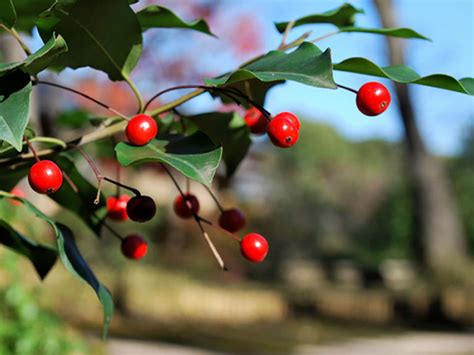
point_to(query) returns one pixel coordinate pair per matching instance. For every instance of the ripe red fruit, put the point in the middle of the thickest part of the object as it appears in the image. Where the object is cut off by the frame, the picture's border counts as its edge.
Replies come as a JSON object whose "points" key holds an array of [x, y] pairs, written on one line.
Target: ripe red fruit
{"points": [[117, 207], [141, 129], [45, 177], [181, 205], [289, 116], [282, 132], [141, 208], [134, 246], [254, 247], [256, 121], [372, 99], [232, 220]]}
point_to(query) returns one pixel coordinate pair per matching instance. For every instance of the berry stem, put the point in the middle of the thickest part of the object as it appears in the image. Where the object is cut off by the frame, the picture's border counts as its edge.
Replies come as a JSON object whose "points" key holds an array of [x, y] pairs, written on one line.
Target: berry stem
{"points": [[232, 235], [113, 231], [129, 188], [70, 182], [31, 148], [347, 88], [100, 103], [198, 219], [218, 204]]}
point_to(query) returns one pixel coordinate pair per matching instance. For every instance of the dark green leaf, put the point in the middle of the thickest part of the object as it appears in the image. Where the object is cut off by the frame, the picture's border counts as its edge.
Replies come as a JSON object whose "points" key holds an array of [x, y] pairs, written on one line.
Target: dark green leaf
{"points": [[28, 11], [104, 35], [7, 13], [72, 259], [81, 203], [306, 65], [196, 156], [15, 94], [392, 32], [343, 16], [228, 130], [161, 17], [75, 263], [406, 75], [42, 257], [12, 174]]}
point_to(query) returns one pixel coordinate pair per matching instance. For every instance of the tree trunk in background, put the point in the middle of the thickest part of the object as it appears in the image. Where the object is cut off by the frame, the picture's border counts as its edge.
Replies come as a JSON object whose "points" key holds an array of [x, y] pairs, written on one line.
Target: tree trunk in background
{"points": [[439, 239]]}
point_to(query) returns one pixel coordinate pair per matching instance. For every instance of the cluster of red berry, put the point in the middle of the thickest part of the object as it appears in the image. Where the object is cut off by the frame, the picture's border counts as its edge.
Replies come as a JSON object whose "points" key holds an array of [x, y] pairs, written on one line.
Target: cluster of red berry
{"points": [[45, 177]]}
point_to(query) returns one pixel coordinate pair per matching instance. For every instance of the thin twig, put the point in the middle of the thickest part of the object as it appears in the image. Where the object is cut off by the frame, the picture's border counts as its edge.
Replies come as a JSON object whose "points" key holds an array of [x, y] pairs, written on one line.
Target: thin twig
{"points": [[100, 103], [31, 148], [288, 28], [232, 235], [115, 234], [347, 88], [17, 37], [327, 35], [218, 204], [70, 182]]}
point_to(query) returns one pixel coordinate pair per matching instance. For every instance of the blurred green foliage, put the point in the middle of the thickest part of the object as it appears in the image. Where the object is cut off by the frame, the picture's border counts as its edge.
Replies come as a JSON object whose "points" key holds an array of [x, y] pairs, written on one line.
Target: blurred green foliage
{"points": [[26, 328], [331, 199]]}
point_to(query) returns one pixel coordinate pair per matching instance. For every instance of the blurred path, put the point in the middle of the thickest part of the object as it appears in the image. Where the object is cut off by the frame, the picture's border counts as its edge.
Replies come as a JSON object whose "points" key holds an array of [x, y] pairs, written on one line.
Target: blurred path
{"points": [[419, 343], [137, 347]]}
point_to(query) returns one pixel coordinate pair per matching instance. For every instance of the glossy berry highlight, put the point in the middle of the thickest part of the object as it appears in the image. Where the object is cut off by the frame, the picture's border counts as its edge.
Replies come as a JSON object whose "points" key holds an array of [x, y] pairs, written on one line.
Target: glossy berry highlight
{"points": [[141, 208], [117, 207], [255, 121], [282, 132], [141, 129], [181, 207], [291, 117], [254, 247], [372, 99], [134, 247], [45, 177], [232, 220]]}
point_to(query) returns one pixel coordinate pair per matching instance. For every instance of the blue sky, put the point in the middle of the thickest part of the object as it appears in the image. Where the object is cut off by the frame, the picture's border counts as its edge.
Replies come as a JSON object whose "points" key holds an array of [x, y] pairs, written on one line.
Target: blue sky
{"points": [[442, 115]]}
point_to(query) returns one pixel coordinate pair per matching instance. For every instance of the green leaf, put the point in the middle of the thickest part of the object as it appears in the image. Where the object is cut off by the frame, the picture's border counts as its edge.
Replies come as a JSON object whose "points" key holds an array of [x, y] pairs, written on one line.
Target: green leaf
{"points": [[28, 11], [75, 263], [41, 59], [161, 17], [15, 94], [82, 202], [406, 75], [104, 35], [306, 65], [195, 156], [72, 258], [41, 256], [391, 32], [228, 130], [343, 16], [7, 13]]}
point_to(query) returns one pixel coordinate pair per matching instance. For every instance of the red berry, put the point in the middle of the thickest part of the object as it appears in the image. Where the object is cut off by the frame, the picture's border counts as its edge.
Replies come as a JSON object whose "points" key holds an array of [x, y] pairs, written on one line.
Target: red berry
{"points": [[256, 121], [282, 132], [117, 207], [289, 116], [232, 220], [141, 208], [254, 247], [134, 246], [45, 177], [372, 99], [181, 207], [141, 129]]}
